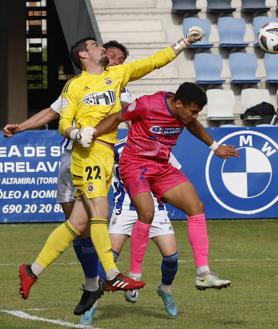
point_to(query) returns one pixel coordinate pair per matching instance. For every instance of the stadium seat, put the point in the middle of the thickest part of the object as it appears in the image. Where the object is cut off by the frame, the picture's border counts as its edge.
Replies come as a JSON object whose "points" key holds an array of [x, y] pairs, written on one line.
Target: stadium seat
{"points": [[184, 7], [219, 7], [251, 97], [253, 6], [231, 32], [258, 22], [221, 105], [204, 24], [243, 68], [208, 69], [271, 67]]}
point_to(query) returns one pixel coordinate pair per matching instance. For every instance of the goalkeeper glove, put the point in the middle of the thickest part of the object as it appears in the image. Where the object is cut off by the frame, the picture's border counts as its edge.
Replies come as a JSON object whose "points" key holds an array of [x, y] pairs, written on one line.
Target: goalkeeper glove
{"points": [[195, 33], [83, 136]]}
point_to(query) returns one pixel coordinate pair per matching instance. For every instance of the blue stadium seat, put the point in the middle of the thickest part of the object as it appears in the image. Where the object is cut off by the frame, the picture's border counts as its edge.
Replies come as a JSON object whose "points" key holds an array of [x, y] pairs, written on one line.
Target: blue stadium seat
{"points": [[184, 7], [219, 7], [271, 68], [258, 22], [204, 24], [208, 69], [243, 68], [231, 32], [253, 6]]}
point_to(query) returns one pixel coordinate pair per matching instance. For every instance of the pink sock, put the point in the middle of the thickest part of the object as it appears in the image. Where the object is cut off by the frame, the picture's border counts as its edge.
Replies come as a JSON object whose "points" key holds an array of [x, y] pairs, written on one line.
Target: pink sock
{"points": [[138, 245], [198, 238]]}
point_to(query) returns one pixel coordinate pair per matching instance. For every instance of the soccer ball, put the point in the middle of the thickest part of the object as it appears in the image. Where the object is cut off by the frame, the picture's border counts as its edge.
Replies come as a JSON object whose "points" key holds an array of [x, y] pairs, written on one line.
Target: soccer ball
{"points": [[268, 37]]}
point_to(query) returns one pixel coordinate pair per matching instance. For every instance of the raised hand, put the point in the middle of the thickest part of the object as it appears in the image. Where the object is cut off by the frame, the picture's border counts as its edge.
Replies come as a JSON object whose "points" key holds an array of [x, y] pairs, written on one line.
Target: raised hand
{"points": [[195, 33]]}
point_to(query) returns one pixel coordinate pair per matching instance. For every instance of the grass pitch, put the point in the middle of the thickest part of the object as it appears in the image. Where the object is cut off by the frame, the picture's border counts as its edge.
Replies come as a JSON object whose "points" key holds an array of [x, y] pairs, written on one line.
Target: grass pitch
{"points": [[246, 252]]}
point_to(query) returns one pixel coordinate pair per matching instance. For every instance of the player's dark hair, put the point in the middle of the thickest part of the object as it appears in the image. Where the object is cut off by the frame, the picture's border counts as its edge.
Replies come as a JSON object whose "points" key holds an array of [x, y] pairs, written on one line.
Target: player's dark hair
{"points": [[189, 92], [116, 44], [76, 48]]}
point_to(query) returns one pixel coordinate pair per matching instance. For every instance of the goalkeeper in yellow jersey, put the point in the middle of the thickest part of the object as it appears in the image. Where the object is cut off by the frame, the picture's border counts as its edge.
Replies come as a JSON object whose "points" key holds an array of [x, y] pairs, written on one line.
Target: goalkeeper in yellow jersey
{"points": [[86, 100]]}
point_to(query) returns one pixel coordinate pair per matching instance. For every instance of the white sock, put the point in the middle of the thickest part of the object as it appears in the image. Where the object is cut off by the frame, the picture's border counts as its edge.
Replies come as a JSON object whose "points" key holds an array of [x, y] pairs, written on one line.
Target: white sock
{"points": [[203, 270], [166, 288], [135, 276], [91, 284], [36, 268], [111, 274]]}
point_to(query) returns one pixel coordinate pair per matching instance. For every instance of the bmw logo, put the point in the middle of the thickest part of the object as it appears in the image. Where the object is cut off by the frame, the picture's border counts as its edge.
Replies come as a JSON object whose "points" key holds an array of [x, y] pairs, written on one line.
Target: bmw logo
{"points": [[245, 185]]}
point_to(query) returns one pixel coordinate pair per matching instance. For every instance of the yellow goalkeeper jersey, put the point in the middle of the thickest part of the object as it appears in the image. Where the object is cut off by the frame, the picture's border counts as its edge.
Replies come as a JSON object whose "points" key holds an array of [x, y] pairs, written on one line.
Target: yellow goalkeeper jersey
{"points": [[89, 98]]}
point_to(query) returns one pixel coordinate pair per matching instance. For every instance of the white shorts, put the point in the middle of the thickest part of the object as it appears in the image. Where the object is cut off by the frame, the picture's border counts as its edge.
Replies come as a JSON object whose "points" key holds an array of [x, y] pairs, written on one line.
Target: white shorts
{"points": [[122, 221], [65, 189]]}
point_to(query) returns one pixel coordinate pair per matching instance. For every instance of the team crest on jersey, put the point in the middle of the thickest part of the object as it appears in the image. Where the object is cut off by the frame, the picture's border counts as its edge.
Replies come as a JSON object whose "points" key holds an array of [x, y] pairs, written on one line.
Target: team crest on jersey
{"points": [[131, 107], [90, 187], [64, 102], [107, 97], [108, 81], [249, 182]]}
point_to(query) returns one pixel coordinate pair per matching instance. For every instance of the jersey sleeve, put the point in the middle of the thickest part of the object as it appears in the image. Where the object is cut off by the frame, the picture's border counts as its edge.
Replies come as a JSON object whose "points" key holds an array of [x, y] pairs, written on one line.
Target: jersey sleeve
{"points": [[57, 105], [134, 110], [69, 105], [139, 68]]}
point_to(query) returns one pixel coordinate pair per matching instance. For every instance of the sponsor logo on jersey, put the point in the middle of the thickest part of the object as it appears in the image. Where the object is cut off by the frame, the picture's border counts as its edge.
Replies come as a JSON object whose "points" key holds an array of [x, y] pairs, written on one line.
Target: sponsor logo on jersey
{"points": [[165, 130], [107, 97], [249, 182]]}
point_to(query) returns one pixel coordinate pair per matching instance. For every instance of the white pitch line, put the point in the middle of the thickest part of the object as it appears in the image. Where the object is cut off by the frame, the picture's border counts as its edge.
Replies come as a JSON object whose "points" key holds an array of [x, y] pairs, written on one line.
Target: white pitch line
{"points": [[267, 259], [27, 316], [57, 264]]}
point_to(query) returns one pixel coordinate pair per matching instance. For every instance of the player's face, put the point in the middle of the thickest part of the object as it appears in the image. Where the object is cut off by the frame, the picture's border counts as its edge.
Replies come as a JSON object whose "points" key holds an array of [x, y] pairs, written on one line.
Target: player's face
{"points": [[115, 56], [187, 112], [95, 51]]}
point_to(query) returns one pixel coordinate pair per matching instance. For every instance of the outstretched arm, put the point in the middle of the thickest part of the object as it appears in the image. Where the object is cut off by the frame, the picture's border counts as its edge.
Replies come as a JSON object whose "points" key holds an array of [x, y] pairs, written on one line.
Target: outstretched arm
{"points": [[220, 150], [85, 136], [36, 121], [139, 68]]}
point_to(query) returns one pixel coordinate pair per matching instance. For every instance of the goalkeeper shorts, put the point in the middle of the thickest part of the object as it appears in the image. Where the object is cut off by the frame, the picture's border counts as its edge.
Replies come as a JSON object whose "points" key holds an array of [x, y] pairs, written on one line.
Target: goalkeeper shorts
{"points": [[91, 170]]}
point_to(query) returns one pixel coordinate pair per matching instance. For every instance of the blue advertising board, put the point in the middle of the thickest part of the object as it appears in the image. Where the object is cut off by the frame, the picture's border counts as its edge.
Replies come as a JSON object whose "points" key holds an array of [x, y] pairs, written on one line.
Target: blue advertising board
{"points": [[245, 187], [29, 166], [230, 188]]}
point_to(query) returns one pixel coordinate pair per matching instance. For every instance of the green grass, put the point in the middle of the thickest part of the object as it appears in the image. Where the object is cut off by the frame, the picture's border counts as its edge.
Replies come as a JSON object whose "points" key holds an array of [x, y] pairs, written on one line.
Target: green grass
{"points": [[243, 251]]}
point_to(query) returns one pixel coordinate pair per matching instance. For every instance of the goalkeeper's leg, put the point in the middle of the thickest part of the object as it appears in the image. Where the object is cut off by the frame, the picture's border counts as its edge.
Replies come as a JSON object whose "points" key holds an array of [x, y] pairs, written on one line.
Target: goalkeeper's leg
{"points": [[57, 243], [98, 210]]}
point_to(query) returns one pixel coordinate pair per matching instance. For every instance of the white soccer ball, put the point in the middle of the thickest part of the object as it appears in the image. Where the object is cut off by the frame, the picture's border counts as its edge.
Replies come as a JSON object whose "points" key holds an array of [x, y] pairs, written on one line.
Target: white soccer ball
{"points": [[268, 37]]}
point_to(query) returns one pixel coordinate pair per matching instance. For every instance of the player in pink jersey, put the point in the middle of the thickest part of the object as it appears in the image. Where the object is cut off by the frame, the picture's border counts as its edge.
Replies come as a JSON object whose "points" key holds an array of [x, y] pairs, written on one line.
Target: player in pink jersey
{"points": [[157, 121]]}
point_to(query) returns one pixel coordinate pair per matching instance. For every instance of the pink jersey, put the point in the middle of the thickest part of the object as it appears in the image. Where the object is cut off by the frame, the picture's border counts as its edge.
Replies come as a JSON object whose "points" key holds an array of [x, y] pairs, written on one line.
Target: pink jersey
{"points": [[154, 130]]}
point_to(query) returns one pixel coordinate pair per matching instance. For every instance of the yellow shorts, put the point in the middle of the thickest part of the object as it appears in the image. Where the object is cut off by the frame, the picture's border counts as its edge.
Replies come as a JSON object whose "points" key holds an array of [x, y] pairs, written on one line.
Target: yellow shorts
{"points": [[92, 170]]}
